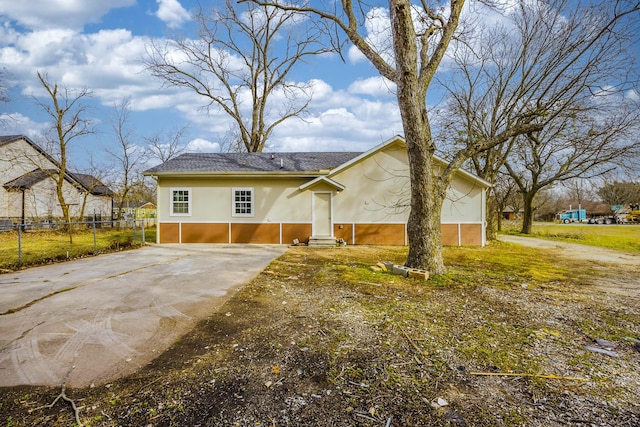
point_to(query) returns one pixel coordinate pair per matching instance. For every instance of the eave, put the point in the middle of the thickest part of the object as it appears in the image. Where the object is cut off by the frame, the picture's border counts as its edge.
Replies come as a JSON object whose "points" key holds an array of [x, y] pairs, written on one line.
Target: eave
{"points": [[303, 175]]}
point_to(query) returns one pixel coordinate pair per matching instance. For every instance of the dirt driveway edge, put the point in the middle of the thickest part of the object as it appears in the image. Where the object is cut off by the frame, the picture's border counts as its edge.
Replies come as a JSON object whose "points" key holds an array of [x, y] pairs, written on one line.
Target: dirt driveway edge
{"points": [[575, 250]]}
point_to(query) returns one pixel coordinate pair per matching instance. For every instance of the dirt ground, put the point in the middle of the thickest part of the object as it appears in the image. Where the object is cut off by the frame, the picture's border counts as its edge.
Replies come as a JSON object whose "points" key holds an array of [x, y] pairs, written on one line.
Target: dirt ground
{"points": [[511, 336]]}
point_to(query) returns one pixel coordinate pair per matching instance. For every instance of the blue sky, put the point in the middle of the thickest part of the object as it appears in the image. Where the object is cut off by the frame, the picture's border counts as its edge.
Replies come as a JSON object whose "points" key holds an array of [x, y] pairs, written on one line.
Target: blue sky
{"points": [[99, 44]]}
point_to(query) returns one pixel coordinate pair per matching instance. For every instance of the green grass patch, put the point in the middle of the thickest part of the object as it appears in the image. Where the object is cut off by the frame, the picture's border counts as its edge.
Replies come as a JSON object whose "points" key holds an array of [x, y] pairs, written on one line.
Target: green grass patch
{"points": [[621, 237], [53, 246], [319, 338]]}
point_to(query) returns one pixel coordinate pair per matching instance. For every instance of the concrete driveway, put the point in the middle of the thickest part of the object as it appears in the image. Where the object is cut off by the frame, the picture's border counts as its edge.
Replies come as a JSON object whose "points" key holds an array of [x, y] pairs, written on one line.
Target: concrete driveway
{"points": [[92, 320]]}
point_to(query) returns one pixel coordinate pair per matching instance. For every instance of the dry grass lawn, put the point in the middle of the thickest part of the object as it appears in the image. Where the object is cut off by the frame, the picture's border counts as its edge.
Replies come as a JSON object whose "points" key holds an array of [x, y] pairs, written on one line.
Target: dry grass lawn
{"points": [[510, 336]]}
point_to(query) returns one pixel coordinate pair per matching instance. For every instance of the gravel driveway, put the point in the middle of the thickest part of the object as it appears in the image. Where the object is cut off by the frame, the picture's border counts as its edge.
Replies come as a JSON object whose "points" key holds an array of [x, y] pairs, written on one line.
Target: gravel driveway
{"points": [[609, 278], [89, 321], [576, 250]]}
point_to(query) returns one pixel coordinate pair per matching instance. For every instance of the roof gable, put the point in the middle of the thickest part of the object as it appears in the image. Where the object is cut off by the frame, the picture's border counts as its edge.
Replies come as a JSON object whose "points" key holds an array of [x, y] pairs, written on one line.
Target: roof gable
{"points": [[8, 139], [29, 179], [312, 163], [26, 181]]}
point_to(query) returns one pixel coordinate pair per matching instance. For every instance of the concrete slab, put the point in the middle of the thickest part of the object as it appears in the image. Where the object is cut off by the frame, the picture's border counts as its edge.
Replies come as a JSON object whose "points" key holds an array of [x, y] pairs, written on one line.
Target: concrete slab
{"points": [[92, 320]]}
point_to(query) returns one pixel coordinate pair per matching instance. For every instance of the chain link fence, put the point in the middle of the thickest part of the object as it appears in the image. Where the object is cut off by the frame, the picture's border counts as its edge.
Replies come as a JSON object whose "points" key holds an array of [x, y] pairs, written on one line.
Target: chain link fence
{"points": [[48, 241]]}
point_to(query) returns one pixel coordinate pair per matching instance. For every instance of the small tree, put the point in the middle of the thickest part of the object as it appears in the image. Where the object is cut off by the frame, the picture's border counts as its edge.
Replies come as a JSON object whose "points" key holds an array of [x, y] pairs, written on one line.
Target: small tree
{"points": [[67, 110], [240, 64], [128, 157], [504, 195]]}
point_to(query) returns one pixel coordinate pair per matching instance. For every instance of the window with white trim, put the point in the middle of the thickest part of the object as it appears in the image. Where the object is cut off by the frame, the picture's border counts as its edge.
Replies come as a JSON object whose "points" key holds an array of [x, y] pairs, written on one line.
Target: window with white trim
{"points": [[180, 201], [242, 202]]}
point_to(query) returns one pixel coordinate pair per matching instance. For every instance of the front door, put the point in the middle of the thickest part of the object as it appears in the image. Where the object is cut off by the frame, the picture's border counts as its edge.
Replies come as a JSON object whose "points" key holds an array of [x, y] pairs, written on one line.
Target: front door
{"points": [[322, 223]]}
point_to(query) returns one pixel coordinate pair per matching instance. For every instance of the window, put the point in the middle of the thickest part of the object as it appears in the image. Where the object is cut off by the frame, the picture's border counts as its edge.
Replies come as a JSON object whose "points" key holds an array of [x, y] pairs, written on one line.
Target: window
{"points": [[242, 202], [180, 201]]}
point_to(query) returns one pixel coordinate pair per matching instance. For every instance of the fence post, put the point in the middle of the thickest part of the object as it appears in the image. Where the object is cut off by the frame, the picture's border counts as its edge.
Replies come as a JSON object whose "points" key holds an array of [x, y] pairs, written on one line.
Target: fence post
{"points": [[143, 242], [95, 239], [19, 245]]}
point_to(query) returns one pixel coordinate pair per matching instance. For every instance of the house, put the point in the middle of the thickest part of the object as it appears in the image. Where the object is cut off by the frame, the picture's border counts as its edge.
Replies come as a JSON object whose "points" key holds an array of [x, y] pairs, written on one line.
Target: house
{"points": [[360, 198], [136, 210], [29, 188], [510, 214]]}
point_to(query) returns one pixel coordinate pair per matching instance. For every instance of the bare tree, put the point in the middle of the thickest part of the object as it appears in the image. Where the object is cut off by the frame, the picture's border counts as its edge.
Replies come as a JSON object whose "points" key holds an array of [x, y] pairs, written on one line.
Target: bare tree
{"points": [[420, 35], [240, 64], [166, 146], [619, 192], [566, 150], [504, 195], [569, 65], [579, 190], [129, 156], [91, 184], [67, 110]]}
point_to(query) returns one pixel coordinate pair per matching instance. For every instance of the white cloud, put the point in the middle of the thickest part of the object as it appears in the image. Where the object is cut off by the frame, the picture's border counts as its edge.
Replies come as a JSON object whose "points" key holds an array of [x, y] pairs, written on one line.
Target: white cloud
{"points": [[633, 95], [19, 124], [376, 86], [378, 36], [200, 145], [107, 62], [46, 14], [172, 13], [339, 121]]}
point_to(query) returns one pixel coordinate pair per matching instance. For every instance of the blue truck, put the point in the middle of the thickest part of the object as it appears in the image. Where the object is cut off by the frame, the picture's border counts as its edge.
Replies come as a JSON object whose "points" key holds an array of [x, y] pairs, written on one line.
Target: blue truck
{"points": [[573, 215]]}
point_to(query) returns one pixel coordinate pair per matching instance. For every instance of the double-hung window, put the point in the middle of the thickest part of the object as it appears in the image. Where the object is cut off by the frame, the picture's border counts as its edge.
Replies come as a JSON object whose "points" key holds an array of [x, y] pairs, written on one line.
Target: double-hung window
{"points": [[180, 201], [242, 202]]}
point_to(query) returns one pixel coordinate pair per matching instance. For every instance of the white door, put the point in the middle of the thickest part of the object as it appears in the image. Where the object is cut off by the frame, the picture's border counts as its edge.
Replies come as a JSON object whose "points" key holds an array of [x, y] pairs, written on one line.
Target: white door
{"points": [[322, 224]]}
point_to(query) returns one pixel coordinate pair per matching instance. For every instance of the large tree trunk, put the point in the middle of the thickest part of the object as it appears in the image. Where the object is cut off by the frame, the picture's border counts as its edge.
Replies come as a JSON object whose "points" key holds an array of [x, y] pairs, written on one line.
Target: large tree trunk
{"points": [[494, 217], [423, 226], [527, 220]]}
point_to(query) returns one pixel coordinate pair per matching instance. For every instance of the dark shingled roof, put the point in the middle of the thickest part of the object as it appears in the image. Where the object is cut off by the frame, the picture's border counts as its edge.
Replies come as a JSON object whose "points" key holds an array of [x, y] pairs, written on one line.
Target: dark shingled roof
{"points": [[10, 138], [93, 184], [29, 179], [253, 162]]}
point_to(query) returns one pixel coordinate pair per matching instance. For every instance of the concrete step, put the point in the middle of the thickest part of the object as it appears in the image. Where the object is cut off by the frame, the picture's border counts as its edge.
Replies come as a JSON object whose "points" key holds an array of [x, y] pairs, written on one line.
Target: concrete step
{"points": [[322, 241]]}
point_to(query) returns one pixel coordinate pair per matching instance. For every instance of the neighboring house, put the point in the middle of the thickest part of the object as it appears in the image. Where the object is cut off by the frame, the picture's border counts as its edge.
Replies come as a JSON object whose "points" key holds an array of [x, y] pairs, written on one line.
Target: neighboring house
{"points": [[137, 210], [29, 188], [509, 213], [360, 198]]}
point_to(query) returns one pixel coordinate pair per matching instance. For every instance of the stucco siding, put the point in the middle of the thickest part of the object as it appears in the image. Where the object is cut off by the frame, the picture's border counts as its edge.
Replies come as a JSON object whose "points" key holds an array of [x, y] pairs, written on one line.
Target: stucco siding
{"points": [[211, 200], [463, 202], [169, 233], [205, 233], [255, 233], [375, 189]]}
